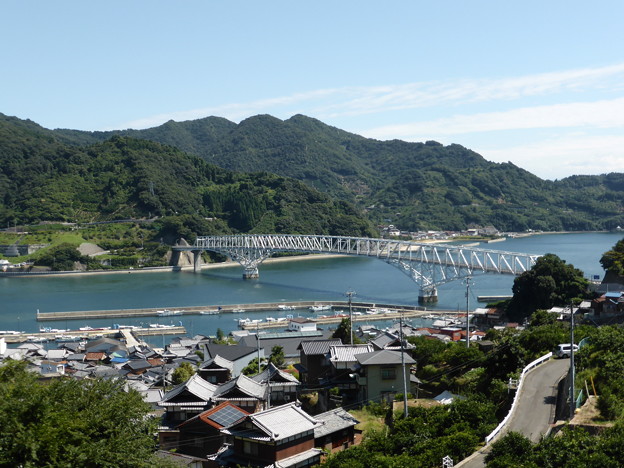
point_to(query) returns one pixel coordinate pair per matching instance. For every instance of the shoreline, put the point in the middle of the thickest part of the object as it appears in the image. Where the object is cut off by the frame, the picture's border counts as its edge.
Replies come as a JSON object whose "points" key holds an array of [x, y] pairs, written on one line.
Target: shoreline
{"points": [[166, 269]]}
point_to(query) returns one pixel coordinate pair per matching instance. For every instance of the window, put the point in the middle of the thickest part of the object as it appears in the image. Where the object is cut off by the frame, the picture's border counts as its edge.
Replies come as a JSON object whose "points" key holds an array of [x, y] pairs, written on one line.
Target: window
{"points": [[250, 448], [388, 373]]}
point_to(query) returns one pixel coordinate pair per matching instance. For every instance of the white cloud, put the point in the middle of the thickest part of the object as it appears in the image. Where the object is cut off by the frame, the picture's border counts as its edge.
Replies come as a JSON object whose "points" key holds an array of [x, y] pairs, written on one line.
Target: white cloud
{"points": [[352, 101], [564, 156], [600, 114]]}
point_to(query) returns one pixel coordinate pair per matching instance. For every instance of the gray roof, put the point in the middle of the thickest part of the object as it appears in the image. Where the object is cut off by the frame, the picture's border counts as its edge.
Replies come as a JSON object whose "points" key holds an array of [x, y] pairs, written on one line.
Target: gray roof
{"points": [[333, 421], [219, 362], [344, 353], [231, 353], [245, 385], [196, 386], [289, 341], [318, 346], [276, 423], [273, 374], [383, 356]]}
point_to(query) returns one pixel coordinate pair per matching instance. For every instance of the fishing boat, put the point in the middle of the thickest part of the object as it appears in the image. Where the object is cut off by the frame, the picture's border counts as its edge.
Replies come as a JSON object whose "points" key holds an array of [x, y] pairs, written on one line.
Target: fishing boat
{"points": [[320, 308], [285, 307]]}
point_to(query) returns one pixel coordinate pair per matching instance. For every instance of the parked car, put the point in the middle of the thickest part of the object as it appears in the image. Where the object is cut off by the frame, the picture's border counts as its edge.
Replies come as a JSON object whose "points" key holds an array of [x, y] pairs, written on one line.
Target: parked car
{"points": [[564, 350]]}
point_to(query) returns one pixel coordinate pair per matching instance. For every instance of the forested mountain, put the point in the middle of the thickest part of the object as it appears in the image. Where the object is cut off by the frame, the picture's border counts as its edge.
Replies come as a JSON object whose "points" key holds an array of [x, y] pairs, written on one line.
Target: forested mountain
{"points": [[43, 178], [412, 185]]}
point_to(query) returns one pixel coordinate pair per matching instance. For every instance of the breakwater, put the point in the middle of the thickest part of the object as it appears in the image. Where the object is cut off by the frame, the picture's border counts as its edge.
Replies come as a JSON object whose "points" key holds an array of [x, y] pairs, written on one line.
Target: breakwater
{"points": [[175, 312]]}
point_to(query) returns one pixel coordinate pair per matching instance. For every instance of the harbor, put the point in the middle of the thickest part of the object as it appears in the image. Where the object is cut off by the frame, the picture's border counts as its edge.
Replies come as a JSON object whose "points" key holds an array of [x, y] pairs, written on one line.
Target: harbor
{"points": [[371, 314], [217, 310], [46, 335]]}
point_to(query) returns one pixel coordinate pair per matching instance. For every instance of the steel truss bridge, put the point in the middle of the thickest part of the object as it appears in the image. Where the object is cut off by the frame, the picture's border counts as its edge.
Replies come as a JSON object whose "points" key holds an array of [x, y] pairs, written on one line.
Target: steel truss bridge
{"points": [[428, 265]]}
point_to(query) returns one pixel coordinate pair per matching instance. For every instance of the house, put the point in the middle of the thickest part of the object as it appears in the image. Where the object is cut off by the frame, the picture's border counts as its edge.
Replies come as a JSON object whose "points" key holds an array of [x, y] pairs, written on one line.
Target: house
{"points": [[379, 374], [201, 435], [217, 370], [387, 340], [239, 356], [288, 340], [314, 360], [187, 400], [244, 392], [282, 386], [52, 368], [301, 324], [337, 430], [279, 437]]}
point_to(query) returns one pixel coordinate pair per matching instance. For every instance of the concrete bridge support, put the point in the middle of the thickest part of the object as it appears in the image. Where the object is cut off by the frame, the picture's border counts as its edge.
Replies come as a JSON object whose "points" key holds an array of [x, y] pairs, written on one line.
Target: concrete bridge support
{"points": [[428, 295], [197, 261]]}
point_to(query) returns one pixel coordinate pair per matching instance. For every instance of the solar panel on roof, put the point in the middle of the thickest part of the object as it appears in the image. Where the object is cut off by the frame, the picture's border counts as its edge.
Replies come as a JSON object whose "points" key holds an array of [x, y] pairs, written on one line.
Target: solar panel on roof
{"points": [[227, 415]]}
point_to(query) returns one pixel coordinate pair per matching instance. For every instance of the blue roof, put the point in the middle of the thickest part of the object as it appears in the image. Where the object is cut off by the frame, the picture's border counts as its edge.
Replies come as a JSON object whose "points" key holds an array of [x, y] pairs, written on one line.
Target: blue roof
{"points": [[615, 295], [119, 359]]}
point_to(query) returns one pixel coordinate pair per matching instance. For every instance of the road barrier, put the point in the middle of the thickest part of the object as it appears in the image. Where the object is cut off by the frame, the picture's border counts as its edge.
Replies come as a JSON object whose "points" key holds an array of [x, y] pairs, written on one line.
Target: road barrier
{"points": [[530, 366]]}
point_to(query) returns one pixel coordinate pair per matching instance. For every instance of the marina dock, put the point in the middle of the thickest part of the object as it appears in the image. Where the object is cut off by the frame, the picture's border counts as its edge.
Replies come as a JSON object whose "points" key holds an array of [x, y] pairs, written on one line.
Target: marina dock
{"points": [[177, 312], [390, 314]]}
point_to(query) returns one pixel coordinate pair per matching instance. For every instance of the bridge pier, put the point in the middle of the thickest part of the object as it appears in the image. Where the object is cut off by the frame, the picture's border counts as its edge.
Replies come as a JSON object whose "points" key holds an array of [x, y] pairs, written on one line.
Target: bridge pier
{"points": [[251, 272], [197, 261], [428, 295]]}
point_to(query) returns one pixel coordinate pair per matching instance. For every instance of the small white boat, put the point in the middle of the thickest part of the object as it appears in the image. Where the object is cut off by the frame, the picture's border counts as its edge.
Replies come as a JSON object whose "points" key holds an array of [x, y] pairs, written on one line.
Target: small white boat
{"points": [[319, 308], [271, 319], [168, 313], [208, 312], [285, 307], [36, 339], [66, 338], [238, 311], [160, 325]]}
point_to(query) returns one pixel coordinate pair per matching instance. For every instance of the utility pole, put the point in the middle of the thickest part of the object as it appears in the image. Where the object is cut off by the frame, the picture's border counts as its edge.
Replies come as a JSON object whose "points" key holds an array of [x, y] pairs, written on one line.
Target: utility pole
{"points": [[572, 376], [468, 312], [350, 294], [403, 366]]}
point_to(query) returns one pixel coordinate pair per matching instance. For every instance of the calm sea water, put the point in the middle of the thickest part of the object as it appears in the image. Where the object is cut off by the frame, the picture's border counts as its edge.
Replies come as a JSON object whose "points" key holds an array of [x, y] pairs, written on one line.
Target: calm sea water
{"points": [[318, 279]]}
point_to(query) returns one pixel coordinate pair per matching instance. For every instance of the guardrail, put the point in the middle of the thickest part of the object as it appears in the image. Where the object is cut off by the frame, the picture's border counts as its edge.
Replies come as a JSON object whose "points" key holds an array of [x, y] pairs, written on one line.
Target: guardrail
{"points": [[530, 366]]}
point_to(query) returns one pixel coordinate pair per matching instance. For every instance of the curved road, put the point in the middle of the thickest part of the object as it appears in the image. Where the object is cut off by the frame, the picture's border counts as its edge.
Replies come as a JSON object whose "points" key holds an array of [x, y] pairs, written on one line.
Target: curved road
{"points": [[535, 409]]}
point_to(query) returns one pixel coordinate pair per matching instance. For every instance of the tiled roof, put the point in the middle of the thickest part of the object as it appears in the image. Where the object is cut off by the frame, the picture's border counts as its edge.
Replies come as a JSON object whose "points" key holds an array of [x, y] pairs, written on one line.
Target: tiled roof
{"points": [[345, 353], [243, 384], [196, 386], [318, 347], [333, 421], [273, 374], [231, 353], [383, 356], [95, 356], [277, 423], [219, 362]]}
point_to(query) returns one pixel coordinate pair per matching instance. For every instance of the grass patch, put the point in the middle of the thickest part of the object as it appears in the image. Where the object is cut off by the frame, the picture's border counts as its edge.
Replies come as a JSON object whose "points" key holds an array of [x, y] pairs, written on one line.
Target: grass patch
{"points": [[368, 421]]}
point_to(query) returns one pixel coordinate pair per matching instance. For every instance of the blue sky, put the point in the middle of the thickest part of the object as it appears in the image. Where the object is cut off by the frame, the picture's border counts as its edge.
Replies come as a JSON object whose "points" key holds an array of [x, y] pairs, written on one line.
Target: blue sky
{"points": [[540, 84]]}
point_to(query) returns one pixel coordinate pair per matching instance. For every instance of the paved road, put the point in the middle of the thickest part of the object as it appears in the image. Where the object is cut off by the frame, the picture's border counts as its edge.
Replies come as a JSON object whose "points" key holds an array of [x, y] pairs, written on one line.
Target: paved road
{"points": [[535, 410]]}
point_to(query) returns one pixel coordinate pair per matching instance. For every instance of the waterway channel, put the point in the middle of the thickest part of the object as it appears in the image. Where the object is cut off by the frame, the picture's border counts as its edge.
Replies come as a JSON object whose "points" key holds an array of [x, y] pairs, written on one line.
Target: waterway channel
{"points": [[318, 279]]}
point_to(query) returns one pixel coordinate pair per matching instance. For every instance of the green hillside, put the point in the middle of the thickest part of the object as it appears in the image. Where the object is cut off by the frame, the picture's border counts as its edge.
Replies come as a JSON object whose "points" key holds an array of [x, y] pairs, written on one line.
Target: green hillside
{"points": [[412, 185], [43, 178]]}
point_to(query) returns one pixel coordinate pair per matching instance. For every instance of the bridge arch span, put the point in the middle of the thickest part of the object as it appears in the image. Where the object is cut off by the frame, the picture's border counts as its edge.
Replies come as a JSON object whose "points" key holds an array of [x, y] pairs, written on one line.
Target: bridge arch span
{"points": [[427, 264]]}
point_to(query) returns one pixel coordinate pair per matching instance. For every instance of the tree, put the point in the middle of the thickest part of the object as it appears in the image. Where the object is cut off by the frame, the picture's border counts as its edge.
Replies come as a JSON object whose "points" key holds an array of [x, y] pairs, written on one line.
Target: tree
{"points": [[182, 373], [551, 282], [252, 367], [511, 450], [613, 260], [68, 422], [343, 331], [277, 356]]}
